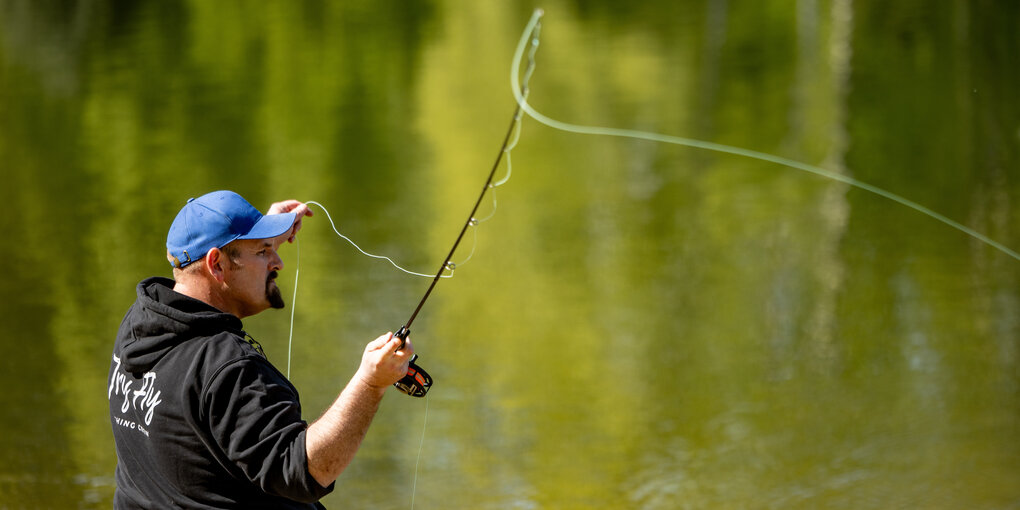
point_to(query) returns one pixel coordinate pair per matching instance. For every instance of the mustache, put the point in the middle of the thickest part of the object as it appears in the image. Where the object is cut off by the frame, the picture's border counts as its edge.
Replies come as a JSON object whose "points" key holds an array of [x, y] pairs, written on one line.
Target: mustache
{"points": [[272, 276]]}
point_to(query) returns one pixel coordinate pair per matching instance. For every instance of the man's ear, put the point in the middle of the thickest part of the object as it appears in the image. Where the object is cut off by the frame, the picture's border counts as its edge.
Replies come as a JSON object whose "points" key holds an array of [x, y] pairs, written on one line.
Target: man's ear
{"points": [[215, 263]]}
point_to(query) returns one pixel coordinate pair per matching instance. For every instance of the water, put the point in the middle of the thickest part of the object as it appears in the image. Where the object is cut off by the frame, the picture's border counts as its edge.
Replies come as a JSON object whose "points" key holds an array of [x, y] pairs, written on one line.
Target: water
{"points": [[641, 326]]}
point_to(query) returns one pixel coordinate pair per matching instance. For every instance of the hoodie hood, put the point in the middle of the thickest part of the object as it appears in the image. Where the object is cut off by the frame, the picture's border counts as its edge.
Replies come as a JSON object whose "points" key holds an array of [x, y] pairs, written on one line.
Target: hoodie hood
{"points": [[160, 319]]}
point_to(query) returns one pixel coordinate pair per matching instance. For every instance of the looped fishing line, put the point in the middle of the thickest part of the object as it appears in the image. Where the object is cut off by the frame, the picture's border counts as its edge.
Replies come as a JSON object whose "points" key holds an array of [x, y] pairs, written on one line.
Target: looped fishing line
{"points": [[363, 252], [297, 272], [531, 32]]}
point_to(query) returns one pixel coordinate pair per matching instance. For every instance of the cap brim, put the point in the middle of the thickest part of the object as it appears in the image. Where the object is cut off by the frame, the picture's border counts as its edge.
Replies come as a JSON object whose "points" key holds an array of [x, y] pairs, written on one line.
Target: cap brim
{"points": [[271, 225]]}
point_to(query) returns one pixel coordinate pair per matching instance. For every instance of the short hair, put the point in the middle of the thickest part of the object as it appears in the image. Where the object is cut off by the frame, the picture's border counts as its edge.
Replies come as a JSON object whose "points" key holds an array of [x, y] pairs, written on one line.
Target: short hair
{"points": [[230, 250]]}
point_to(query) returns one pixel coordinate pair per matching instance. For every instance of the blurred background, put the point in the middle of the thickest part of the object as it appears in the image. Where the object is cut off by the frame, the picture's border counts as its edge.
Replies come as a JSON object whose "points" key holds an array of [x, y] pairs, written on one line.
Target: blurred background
{"points": [[641, 325]]}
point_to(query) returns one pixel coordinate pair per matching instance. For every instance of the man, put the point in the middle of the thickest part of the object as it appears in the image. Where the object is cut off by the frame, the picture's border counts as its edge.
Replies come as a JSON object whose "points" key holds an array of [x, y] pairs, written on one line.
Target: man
{"points": [[200, 418]]}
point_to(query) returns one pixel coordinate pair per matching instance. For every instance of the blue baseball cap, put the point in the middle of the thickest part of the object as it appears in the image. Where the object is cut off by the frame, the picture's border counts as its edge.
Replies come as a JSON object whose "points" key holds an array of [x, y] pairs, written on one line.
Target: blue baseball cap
{"points": [[215, 219]]}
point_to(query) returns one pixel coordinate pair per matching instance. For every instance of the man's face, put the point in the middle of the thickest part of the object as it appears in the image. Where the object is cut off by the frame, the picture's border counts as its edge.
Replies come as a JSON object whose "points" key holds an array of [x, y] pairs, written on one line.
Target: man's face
{"points": [[250, 275]]}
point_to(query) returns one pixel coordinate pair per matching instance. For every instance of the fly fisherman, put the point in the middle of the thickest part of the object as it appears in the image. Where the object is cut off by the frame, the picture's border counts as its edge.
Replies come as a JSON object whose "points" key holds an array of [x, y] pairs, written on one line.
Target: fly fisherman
{"points": [[200, 418]]}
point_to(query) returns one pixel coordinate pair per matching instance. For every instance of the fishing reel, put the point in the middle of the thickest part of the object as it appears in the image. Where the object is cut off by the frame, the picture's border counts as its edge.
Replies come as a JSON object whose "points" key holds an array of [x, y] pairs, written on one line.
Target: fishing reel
{"points": [[416, 382]]}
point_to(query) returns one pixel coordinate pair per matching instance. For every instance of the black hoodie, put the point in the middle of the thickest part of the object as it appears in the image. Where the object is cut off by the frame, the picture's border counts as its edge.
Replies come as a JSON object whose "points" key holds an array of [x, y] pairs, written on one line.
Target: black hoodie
{"points": [[200, 418]]}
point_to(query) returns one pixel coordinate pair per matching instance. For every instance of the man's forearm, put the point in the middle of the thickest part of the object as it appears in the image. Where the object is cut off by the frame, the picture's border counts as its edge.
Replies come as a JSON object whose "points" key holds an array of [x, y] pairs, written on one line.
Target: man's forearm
{"points": [[333, 439]]}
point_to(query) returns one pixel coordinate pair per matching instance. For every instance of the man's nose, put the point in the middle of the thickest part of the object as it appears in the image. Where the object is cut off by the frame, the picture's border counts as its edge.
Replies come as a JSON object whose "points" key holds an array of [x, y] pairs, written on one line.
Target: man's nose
{"points": [[276, 263]]}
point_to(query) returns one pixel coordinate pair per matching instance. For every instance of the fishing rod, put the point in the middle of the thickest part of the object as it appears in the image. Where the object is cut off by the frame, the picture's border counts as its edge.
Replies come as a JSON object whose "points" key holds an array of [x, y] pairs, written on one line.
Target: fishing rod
{"points": [[417, 381]]}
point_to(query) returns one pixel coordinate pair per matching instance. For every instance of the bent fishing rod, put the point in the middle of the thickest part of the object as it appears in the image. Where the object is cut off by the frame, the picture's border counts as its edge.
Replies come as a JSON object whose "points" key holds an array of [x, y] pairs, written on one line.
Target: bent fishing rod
{"points": [[417, 382]]}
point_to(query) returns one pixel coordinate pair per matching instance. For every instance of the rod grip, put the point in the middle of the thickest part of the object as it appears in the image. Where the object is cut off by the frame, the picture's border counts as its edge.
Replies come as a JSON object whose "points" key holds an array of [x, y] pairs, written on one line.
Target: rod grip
{"points": [[417, 381], [402, 335]]}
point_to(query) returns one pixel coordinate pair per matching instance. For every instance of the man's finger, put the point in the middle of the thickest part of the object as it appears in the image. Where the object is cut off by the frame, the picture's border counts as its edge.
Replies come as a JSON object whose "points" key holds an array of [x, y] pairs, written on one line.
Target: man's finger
{"points": [[405, 349], [380, 342]]}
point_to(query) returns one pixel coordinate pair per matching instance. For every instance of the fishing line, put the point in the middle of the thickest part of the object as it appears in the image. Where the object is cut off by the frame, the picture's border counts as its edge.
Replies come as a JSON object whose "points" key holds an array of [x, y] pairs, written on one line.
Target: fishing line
{"points": [[293, 301], [492, 187], [531, 33], [297, 273], [474, 245], [510, 146], [449, 266], [421, 445], [363, 252]]}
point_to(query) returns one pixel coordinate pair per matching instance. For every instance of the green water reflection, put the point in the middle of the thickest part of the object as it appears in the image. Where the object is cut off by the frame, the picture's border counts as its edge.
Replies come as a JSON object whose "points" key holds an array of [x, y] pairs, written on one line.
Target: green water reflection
{"points": [[641, 326]]}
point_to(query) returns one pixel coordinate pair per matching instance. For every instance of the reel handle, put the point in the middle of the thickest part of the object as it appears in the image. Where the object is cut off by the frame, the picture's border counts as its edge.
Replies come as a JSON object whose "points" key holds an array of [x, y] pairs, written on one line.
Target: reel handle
{"points": [[416, 382]]}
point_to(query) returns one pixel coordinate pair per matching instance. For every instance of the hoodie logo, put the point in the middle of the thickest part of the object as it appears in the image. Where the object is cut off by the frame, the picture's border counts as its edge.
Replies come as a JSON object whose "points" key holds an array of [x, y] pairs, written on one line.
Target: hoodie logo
{"points": [[144, 399]]}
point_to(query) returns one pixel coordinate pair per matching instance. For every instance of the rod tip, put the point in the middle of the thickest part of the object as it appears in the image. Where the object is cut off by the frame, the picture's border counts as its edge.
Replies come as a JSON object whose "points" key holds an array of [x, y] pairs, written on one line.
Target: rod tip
{"points": [[539, 12]]}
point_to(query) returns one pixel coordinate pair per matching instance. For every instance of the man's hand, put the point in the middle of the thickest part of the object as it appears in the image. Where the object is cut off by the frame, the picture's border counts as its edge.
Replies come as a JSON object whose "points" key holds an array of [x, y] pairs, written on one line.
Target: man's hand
{"points": [[384, 361], [299, 209]]}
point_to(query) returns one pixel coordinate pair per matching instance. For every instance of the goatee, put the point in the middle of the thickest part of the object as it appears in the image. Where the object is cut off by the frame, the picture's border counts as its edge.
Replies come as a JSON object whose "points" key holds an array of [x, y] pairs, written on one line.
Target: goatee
{"points": [[273, 292]]}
